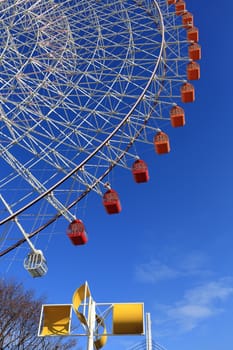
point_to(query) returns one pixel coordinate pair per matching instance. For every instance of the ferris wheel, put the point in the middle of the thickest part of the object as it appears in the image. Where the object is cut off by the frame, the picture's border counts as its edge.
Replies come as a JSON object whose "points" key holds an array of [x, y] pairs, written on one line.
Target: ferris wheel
{"points": [[83, 85]]}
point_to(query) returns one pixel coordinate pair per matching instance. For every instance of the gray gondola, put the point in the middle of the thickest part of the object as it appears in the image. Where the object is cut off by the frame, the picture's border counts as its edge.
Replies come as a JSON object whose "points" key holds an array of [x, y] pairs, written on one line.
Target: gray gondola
{"points": [[35, 264]]}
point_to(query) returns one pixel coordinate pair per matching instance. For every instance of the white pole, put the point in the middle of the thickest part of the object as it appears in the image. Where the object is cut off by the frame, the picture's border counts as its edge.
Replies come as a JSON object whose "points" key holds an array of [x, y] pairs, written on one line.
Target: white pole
{"points": [[148, 332], [91, 324], [19, 225]]}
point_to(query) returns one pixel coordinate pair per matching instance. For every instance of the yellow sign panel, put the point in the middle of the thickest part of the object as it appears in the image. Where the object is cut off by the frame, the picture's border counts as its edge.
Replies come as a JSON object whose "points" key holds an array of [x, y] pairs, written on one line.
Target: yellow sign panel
{"points": [[56, 320], [128, 318]]}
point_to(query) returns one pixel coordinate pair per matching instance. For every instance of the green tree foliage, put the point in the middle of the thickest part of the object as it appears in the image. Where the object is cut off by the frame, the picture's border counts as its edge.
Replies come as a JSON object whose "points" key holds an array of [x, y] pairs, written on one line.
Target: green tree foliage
{"points": [[19, 321]]}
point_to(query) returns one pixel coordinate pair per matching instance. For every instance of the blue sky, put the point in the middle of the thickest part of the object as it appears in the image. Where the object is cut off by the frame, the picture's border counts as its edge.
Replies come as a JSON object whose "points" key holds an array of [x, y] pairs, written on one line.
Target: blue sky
{"points": [[171, 246]]}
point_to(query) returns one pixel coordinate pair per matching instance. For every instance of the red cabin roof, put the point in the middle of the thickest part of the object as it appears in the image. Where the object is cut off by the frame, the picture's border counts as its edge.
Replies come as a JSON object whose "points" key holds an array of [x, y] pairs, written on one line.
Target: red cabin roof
{"points": [[77, 233], [111, 202]]}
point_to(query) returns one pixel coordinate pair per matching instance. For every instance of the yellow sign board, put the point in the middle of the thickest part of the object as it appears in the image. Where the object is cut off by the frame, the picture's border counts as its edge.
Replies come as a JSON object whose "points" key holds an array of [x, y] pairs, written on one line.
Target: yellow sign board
{"points": [[128, 318]]}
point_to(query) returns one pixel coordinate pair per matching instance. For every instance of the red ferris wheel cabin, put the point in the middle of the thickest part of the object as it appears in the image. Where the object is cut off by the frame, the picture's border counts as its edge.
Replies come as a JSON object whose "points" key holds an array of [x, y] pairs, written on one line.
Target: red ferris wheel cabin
{"points": [[140, 171], [77, 233], [111, 202]]}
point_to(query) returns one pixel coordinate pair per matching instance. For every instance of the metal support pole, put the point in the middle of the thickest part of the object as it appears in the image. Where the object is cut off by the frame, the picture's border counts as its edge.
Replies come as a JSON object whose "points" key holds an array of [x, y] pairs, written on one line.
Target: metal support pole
{"points": [[91, 324], [19, 225], [148, 332]]}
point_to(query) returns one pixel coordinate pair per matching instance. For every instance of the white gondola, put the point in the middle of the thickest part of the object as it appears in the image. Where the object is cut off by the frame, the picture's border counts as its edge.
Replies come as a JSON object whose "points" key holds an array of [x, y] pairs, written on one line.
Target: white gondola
{"points": [[35, 263]]}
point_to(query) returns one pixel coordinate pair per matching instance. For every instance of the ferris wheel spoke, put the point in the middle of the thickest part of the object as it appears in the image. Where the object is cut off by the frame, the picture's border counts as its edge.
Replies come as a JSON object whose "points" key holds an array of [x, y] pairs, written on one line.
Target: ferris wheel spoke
{"points": [[36, 185]]}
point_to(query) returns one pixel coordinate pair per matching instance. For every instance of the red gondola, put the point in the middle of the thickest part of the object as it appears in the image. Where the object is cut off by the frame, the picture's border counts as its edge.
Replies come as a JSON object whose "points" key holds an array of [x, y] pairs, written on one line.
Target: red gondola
{"points": [[187, 20], [161, 143], [76, 232], [180, 7], [177, 116], [193, 34], [171, 2], [140, 171], [187, 93], [194, 51], [193, 71], [111, 202]]}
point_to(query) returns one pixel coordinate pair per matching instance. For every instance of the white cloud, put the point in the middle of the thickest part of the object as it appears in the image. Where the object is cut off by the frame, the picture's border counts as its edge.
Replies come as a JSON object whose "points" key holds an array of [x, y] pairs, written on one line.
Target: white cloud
{"points": [[194, 263], [155, 270], [197, 305], [211, 291], [193, 311]]}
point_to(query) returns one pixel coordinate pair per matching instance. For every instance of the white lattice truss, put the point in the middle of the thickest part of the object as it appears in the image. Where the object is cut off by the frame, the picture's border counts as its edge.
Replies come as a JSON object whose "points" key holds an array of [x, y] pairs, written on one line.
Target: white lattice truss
{"points": [[81, 83]]}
